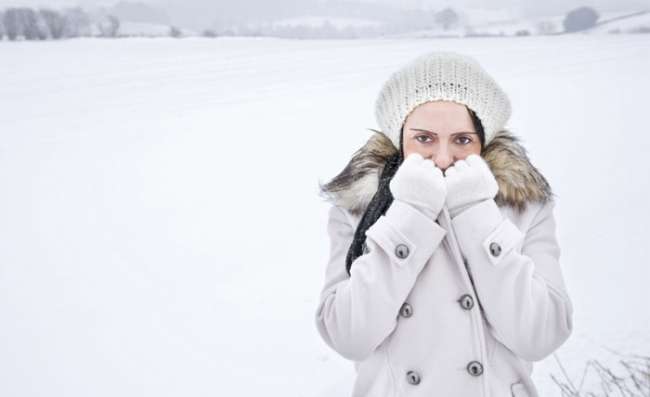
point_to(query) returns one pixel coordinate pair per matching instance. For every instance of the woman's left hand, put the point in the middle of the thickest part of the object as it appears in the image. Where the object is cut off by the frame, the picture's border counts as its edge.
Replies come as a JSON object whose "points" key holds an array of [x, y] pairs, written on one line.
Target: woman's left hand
{"points": [[469, 181]]}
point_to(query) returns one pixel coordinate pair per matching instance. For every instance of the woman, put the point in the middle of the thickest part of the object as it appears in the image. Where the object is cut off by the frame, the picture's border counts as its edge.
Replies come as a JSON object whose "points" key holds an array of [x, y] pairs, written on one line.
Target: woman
{"points": [[444, 276]]}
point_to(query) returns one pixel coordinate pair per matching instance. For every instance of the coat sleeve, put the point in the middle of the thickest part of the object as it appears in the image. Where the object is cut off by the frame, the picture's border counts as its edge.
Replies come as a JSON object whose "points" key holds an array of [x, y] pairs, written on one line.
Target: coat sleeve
{"points": [[522, 294], [357, 312]]}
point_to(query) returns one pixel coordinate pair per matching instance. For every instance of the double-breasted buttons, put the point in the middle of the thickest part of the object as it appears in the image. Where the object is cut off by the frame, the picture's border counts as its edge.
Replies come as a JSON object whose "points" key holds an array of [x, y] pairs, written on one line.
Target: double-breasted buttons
{"points": [[475, 368], [401, 251], [413, 377], [406, 310], [495, 249], [466, 302]]}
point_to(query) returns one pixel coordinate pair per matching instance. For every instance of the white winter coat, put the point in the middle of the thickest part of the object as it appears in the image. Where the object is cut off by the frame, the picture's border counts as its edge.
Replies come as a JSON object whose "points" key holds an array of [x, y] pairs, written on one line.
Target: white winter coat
{"points": [[456, 307]]}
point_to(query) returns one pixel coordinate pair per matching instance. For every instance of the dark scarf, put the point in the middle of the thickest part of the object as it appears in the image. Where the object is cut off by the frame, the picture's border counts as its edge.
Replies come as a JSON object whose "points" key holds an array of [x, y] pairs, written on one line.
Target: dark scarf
{"points": [[376, 208]]}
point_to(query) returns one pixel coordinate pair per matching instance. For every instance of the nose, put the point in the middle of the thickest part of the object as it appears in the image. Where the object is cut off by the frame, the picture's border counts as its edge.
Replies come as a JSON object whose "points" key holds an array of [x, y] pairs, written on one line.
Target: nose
{"points": [[443, 159]]}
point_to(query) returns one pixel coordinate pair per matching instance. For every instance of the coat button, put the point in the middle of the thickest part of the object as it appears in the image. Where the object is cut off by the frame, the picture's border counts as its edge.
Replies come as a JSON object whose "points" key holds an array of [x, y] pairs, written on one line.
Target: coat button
{"points": [[466, 302], [413, 377], [495, 249], [406, 310], [401, 251], [475, 368]]}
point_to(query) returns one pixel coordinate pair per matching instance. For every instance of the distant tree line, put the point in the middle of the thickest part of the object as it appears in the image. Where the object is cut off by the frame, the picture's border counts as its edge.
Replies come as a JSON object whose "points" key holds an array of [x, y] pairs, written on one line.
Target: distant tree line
{"points": [[407, 20], [29, 24], [23, 23]]}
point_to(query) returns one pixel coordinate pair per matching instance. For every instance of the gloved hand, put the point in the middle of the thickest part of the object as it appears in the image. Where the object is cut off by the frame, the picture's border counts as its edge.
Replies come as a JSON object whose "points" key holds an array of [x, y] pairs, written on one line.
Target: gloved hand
{"points": [[469, 182], [420, 183]]}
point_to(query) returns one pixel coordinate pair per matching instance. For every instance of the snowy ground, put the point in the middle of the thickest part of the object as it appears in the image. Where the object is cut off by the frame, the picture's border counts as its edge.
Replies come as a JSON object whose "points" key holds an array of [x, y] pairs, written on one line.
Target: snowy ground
{"points": [[160, 228]]}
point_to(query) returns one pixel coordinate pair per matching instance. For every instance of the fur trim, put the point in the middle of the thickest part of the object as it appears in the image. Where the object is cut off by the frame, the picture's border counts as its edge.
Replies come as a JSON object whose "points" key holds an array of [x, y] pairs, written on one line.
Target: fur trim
{"points": [[519, 181], [354, 187]]}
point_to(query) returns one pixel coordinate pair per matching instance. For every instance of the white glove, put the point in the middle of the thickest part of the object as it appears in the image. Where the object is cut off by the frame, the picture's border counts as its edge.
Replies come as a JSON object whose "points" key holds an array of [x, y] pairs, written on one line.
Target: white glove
{"points": [[420, 183], [469, 182]]}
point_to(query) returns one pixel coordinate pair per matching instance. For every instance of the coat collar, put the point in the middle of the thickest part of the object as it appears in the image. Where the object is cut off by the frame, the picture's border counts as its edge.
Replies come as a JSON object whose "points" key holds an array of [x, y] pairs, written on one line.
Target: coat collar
{"points": [[519, 181]]}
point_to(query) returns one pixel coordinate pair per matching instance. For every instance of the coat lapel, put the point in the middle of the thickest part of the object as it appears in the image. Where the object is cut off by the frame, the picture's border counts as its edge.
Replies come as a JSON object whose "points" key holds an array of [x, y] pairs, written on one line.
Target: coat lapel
{"points": [[519, 181]]}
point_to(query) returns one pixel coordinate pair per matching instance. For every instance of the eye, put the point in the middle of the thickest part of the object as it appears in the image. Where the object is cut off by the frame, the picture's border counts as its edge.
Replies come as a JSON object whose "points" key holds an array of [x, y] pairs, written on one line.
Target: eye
{"points": [[464, 140], [423, 138]]}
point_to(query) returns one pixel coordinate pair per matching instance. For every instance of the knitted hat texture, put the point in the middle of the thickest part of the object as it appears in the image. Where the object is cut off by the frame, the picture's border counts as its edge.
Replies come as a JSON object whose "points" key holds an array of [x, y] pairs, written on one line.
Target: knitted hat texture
{"points": [[441, 75]]}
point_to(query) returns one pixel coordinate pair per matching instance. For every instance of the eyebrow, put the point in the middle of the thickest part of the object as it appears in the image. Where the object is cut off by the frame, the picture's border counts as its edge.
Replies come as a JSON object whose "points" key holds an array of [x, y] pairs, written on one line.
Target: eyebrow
{"points": [[455, 133]]}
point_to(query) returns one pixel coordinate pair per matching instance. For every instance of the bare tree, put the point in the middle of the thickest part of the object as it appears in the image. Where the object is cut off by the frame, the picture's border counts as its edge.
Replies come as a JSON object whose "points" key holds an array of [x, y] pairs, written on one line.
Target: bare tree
{"points": [[546, 27], [175, 32], [109, 26], [580, 19], [12, 21], [2, 26], [54, 21], [77, 22], [33, 27], [447, 18]]}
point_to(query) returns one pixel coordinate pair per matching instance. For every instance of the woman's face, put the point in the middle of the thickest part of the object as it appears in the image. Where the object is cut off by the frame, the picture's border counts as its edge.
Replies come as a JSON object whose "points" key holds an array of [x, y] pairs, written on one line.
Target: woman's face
{"points": [[441, 131]]}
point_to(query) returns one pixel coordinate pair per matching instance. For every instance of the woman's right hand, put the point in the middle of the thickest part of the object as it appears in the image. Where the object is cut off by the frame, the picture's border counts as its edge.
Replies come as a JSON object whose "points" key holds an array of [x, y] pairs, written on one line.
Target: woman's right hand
{"points": [[420, 183]]}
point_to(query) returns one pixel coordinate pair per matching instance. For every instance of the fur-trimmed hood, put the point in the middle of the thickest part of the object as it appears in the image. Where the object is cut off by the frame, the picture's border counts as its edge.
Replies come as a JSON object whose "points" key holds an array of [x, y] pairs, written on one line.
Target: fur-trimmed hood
{"points": [[519, 181]]}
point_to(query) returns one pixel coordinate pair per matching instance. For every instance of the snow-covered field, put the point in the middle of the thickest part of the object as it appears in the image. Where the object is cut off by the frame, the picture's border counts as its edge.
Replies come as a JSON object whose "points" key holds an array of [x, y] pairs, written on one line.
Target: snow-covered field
{"points": [[160, 228]]}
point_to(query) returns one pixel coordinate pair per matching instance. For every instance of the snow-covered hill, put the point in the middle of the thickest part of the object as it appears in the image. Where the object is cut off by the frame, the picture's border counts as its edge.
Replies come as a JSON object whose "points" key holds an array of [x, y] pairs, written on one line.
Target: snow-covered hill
{"points": [[160, 228], [626, 23]]}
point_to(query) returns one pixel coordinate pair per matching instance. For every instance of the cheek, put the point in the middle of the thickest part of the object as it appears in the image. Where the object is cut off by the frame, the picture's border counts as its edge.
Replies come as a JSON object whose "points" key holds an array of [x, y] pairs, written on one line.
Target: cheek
{"points": [[474, 148], [414, 147]]}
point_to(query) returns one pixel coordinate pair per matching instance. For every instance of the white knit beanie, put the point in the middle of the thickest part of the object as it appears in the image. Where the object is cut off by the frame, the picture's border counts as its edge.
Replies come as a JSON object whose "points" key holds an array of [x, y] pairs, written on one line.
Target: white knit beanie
{"points": [[441, 75]]}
